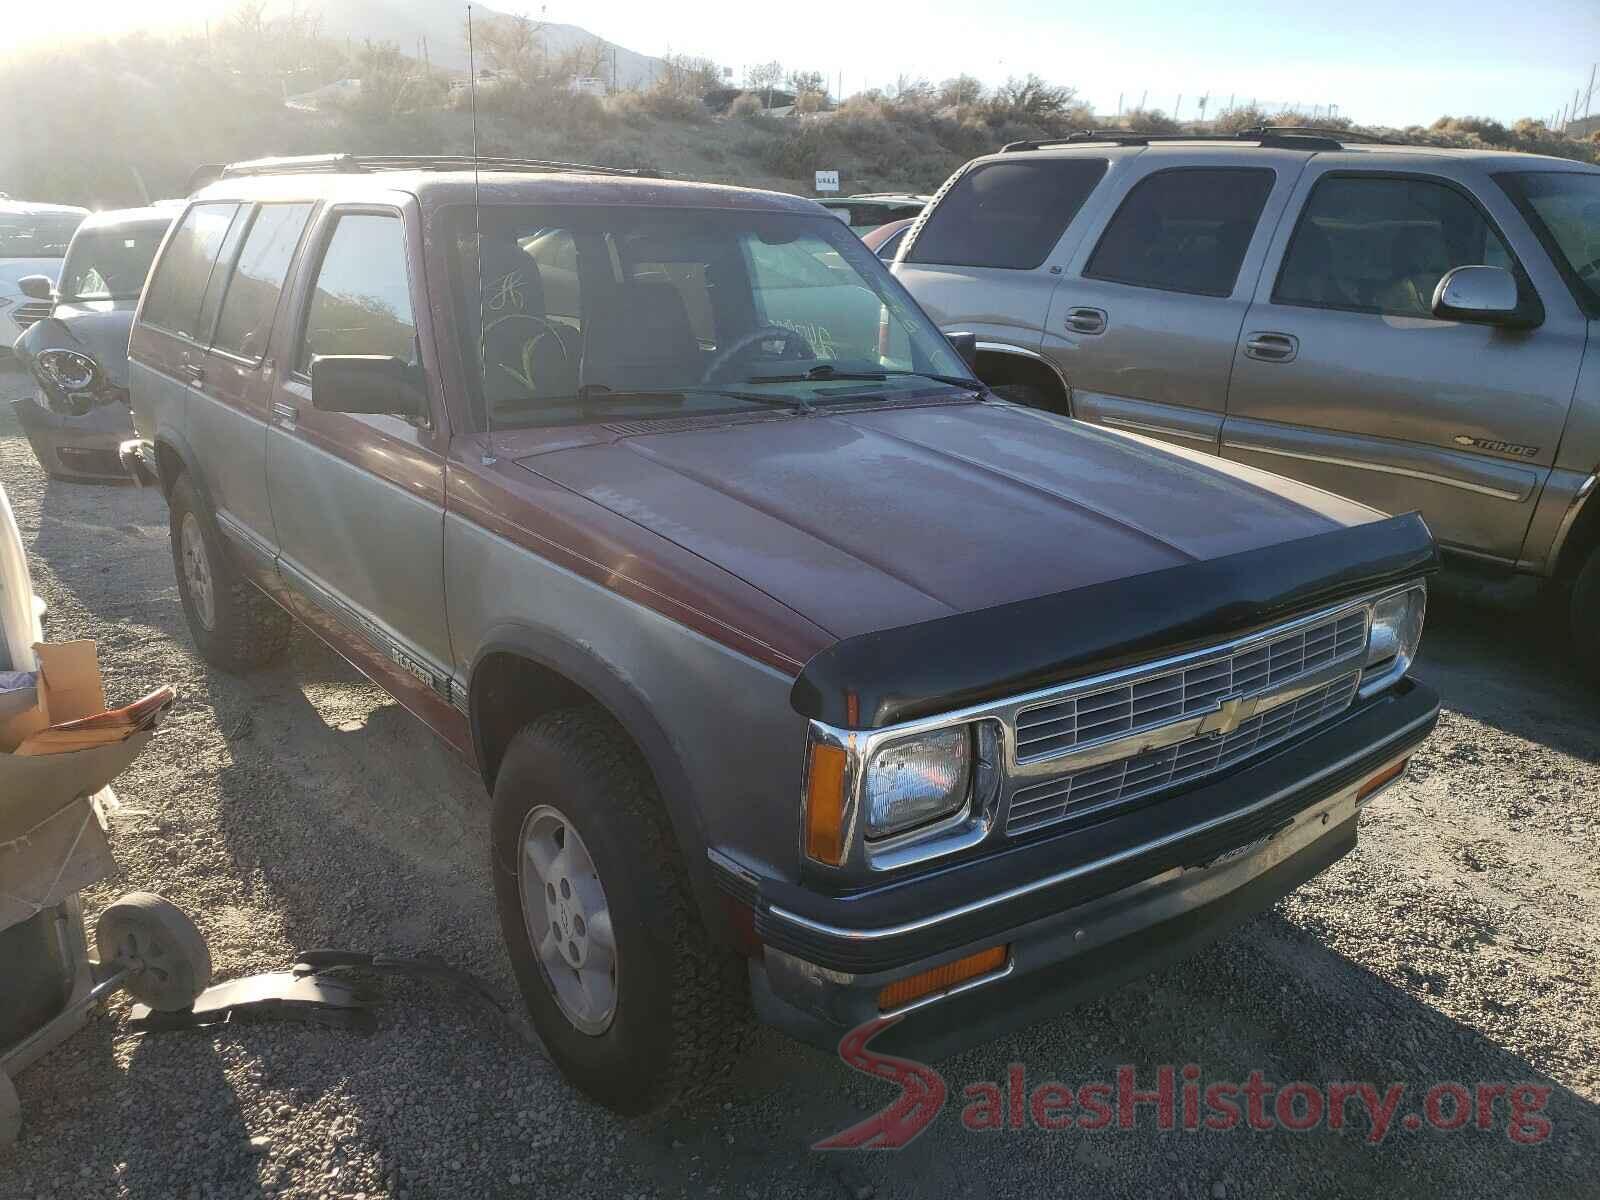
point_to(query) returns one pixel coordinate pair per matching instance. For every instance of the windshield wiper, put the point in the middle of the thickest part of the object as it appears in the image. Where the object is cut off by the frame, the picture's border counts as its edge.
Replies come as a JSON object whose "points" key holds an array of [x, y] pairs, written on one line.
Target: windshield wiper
{"points": [[822, 373], [599, 391], [970, 385], [825, 373]]}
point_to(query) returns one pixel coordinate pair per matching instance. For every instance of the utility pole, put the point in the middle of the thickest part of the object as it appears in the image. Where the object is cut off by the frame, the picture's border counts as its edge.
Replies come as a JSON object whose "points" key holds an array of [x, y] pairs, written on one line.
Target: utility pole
{"points": [[1588, 98], [1178, 107]]}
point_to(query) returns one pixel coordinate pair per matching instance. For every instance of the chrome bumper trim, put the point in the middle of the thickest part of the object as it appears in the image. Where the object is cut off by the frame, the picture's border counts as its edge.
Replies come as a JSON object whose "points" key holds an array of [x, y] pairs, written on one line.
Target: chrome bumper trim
{"points": [[1048, 881]]}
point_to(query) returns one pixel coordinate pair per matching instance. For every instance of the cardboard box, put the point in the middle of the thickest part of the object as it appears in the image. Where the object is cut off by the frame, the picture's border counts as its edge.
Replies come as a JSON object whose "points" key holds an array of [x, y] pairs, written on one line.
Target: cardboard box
{"points": [[52, 833]]}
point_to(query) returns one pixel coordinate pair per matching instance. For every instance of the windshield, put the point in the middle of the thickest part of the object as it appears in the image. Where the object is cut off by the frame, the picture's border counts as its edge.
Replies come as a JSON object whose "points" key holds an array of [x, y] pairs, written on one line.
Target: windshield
{"points": [[1564, 209], [36, 235], [600, 313], [110, 263]]}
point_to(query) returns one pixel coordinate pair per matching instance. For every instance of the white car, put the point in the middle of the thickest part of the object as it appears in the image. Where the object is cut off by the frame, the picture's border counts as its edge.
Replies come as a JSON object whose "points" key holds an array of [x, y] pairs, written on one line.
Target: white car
{"points": [[33, 241]]}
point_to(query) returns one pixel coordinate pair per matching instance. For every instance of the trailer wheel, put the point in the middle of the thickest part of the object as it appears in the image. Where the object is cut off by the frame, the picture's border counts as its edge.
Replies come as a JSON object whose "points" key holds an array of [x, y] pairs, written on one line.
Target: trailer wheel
{"points": [[172, 964]]}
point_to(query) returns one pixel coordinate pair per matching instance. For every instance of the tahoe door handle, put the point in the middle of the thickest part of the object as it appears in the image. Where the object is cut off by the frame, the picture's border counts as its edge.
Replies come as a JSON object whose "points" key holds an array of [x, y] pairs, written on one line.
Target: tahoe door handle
{"points": [[1272, 347], [194, 371], [1086, 320]]}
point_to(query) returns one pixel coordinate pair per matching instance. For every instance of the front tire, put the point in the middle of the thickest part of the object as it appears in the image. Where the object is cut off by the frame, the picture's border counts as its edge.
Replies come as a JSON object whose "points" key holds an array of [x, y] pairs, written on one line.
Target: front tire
{"points": [[233, 624], [1583, 615], [633, 1001]]}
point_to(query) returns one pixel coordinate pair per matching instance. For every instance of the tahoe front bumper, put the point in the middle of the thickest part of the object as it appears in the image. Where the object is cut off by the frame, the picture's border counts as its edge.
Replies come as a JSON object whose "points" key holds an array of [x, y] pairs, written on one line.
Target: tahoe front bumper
{"points": [[1080, 912], [82, 446]]}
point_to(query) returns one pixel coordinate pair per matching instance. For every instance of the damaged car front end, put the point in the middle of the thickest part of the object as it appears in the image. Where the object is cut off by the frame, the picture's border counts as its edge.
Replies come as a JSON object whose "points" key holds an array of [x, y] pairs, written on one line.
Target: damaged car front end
{"points": [[78, 355]]}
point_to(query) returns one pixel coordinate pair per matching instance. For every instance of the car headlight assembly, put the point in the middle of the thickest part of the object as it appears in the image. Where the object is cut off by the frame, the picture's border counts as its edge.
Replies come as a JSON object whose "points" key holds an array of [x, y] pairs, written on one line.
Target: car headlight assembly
{"points": [[917, 780], [1396, 633], [66, 370]]}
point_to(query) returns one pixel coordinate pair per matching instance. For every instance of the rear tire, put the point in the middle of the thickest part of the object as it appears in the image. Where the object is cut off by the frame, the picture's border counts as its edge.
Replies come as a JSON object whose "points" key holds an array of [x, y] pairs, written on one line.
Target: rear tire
{"points": [[234, 625], [677, 1005]]}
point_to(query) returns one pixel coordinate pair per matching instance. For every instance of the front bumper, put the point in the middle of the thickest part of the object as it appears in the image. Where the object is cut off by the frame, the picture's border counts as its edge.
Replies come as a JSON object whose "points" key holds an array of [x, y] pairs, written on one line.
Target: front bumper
{"points": [[76, 447], [1081, 912]]}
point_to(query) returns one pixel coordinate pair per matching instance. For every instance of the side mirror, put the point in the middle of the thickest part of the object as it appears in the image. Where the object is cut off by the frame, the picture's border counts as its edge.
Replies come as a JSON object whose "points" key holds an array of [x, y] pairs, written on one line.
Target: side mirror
{"points": [[36, 287], [1484, 295], [378, 384], [966, 345]]}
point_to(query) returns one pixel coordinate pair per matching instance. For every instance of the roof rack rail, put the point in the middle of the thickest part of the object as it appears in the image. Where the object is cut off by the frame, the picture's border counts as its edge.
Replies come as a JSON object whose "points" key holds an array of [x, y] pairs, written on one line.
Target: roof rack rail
{"points": [[1352, 136], [358, 164], [1282, 137]]}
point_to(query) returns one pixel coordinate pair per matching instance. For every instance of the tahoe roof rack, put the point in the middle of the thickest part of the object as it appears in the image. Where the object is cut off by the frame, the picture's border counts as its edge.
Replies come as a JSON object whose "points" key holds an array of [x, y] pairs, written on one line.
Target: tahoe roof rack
{"points": [[358, 164], [1283, 137]]}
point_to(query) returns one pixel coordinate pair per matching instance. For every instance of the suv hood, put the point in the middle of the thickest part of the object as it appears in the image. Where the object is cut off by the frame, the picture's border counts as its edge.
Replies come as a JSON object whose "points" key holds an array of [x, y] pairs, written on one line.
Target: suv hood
{"points": [[875, 519]]}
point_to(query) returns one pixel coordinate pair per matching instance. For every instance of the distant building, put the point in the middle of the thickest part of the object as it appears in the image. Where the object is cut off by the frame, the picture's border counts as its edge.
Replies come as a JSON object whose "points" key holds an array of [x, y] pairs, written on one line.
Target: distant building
{"points": [[1586, 127]]}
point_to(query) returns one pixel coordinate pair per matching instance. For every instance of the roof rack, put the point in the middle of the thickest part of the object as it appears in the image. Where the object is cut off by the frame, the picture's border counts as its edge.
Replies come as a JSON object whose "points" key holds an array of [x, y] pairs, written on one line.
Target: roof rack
{"points": [[1282, 137], [359, 164]]}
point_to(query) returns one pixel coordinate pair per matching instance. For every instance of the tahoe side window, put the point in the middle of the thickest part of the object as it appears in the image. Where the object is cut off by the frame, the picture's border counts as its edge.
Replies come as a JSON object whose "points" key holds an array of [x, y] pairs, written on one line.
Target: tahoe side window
{"points": [[362, 301], [1381, 245], [1183, 230], [182, 275], [1006, 214], [252, 295]]}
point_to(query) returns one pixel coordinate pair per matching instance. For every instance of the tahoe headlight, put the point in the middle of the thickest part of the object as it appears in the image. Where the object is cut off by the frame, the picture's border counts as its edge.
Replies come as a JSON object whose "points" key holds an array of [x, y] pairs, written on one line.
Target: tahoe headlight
{"points": [[916, 780], [1396, 633]]}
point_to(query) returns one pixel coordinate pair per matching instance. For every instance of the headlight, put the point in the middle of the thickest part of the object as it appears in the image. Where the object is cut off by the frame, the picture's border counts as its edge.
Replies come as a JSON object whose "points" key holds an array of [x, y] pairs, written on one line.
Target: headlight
{"points": [[1396, 634], [916, 780], [66, 370]]}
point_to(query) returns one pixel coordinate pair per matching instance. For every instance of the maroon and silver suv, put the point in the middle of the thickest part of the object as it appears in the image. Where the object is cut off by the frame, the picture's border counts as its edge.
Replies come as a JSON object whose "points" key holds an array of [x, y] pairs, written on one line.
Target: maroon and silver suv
{"points": [[802, 671]]}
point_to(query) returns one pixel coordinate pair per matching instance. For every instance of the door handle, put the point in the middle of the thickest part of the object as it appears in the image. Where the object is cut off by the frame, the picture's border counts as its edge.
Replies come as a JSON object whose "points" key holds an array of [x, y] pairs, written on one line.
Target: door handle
{"points": [[1086, 320], [284, 412], [194, 371], [1272, 347]]}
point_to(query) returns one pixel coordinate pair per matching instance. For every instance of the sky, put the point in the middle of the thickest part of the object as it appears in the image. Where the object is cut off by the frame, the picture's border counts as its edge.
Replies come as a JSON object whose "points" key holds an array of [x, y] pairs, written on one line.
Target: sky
{"points": [[1389, 62]]}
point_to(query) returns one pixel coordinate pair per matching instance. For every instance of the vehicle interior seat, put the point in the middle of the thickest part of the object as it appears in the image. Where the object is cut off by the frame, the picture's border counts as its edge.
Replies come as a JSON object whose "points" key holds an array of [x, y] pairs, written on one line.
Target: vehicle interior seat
{"points": [[527, 357], [643, 340]]}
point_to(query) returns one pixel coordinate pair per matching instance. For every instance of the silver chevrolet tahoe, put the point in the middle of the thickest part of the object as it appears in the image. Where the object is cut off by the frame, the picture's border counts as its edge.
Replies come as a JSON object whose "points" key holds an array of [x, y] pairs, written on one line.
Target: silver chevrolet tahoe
{"points": [[1415, 328], [805, 675]]}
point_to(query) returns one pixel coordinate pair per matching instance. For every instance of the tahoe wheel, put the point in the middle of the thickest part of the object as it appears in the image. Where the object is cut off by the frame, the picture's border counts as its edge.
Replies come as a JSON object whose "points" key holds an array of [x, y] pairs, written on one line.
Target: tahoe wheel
{"points": [[631, 998], [1584, 615], [233, 624]]}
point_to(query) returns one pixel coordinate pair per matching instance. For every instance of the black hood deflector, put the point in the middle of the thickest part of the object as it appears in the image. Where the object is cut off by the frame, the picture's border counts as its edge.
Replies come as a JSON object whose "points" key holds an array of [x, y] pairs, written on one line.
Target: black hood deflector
{"points": [[902, 674]]}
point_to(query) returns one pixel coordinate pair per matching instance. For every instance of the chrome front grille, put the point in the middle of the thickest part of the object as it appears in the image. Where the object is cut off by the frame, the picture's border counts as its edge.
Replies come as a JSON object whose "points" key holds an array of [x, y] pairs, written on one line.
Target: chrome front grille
{"points": [[1130, 778], [25, 315], [1125, 709]]}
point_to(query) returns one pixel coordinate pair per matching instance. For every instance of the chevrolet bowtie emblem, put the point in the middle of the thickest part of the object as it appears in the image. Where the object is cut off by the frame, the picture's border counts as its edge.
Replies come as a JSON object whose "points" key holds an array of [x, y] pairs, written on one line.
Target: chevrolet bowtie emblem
{"points": [[1229, 716]]}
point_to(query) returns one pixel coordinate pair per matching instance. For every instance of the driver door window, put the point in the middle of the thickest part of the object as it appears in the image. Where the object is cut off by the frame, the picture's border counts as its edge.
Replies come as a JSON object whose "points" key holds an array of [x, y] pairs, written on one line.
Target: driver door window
{"points": [[362, 301], [1381, 245], [805, 286]]}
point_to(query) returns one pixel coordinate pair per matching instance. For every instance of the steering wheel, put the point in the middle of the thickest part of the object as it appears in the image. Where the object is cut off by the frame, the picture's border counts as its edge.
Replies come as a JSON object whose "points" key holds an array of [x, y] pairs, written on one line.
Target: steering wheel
{"points": [[794, 347]]}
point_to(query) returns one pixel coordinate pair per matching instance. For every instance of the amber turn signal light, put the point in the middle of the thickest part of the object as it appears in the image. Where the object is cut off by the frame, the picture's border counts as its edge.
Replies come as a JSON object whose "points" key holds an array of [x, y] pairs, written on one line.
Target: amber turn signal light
{"points": [[1387, 775], [825, 804], [904, 991]]}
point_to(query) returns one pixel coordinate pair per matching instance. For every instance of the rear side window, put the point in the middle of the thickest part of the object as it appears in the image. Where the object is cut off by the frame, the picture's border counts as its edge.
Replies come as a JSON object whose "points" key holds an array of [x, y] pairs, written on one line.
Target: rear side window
{"points": [[1381, 244], [252, 295], [362, 301], [181, 277], [1006, 214], [1183, 230]]}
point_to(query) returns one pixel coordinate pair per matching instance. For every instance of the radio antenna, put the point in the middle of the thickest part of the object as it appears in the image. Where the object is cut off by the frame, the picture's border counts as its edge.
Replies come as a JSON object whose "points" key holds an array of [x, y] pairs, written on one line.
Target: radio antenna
{"points": [[477, 239]]}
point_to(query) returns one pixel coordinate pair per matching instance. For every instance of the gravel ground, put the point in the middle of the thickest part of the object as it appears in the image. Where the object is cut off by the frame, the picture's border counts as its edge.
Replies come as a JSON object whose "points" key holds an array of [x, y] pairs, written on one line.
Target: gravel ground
{"points": [[301, 807]]}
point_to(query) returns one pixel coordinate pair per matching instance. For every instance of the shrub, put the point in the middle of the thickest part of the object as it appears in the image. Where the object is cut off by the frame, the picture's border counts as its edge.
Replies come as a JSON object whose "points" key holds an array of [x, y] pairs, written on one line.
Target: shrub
{"points": [[745, 106]]}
